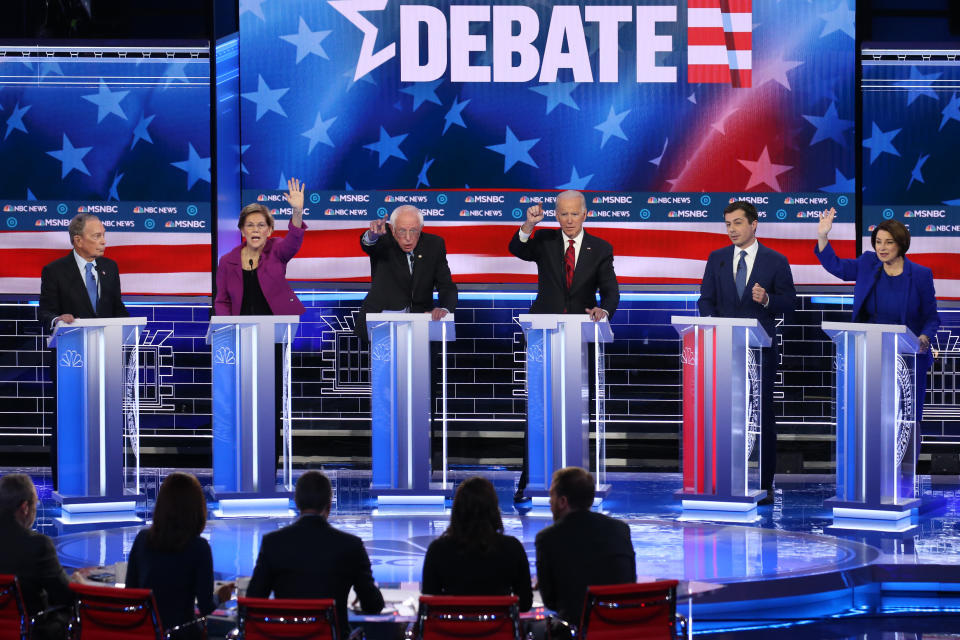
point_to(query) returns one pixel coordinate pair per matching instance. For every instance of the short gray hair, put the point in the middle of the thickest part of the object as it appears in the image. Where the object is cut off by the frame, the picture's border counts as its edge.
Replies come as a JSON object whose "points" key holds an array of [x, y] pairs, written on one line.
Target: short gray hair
{"points": [[406, 208], [570, 194], [15, 489], [78, 224]]}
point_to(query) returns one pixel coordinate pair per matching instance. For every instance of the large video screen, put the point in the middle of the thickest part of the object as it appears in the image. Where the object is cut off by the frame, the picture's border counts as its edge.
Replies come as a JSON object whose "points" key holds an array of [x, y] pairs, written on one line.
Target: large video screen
{"points": [[119, 131], [661, 111]]}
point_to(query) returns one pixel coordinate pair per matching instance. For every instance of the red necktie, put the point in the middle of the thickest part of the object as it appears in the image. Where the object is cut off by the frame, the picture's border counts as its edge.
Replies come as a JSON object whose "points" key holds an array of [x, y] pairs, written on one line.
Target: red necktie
{"points": [[570, 263]]}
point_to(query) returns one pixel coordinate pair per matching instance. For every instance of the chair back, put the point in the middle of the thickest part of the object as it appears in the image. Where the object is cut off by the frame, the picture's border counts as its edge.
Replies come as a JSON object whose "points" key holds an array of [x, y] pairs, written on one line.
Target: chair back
{"points": [[109, 613], [644, 610], [269, 619], [14, 623], [449, 617]]}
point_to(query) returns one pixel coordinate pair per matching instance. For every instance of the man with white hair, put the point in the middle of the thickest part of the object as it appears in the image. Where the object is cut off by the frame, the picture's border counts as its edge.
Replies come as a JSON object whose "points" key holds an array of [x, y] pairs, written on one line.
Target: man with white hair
{"points": [[406, 265]]}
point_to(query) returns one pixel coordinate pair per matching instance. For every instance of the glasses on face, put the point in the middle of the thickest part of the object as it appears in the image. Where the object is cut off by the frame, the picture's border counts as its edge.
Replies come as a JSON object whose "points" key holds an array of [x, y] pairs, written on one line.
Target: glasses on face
{"points": [[406, 233], [255, 226]]}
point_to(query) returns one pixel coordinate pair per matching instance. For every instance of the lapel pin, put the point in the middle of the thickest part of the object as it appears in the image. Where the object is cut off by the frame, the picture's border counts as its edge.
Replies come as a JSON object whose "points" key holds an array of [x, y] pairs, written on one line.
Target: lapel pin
{"points": [[419, 256]]}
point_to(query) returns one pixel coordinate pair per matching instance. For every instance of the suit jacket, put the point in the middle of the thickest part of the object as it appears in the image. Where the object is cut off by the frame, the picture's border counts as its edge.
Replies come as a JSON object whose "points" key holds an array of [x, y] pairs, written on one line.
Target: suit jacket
{"points": [[918, 309], [63, 290], [311, 559], [501, 570], [31, 557], [718, 291], [392, 287], [594, 271], [272, 274], [584, 548]]}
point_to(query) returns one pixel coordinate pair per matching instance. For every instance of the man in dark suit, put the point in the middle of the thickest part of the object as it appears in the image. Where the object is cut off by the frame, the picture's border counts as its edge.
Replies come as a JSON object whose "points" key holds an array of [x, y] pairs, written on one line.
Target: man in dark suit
{"points": [[81, 284], [406, 265], [311, 559], [581, 547], [31, 557], [749, 280], [572, 266]]}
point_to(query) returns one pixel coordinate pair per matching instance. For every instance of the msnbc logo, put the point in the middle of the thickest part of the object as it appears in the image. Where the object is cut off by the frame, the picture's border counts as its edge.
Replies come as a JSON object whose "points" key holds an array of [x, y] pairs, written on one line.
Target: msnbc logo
{"points": [[38, 223], [261, 198], [788, 201], [930, 227], [525, 199], [390, 199], [651, 200], [139, 210], [7, 208], [169, 224], [908, 214], [328, 212], [672, 214], [469, 199], [871, 227]]}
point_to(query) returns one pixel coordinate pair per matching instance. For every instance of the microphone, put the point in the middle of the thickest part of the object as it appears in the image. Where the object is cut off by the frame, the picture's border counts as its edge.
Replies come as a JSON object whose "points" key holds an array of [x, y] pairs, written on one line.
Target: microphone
{"points": [[251, 264]]}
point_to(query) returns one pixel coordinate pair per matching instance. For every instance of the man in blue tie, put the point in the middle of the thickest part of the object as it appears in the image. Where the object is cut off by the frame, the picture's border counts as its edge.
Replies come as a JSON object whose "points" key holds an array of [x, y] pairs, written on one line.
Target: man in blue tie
{"points": [[751, 281]]}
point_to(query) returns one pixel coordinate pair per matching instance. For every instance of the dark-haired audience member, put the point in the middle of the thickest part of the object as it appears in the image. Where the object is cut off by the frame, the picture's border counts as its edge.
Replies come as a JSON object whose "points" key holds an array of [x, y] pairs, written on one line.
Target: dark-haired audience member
{"points": [[311, 559], [171, 558], [473, 557], [31, 557], [581, 547]]}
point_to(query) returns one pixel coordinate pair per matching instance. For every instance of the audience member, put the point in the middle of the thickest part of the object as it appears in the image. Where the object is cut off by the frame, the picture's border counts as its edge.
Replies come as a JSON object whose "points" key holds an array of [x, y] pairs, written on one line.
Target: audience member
{"points": [[311, 559], [31, 557], [581, 548], [473, 557], [171, 558]]}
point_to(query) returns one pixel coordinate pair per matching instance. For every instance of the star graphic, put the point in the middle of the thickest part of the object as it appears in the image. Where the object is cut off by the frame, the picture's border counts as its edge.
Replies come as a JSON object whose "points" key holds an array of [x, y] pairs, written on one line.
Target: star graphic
{"points": [[243, 149], [347, 186], [71, 157], [843, 184], [367, 61], [387, 146], [307, 41], [558, 93], [916, 173], [775, 70], [282, 184], [107, 101], [720, 124], [252, 6], [880, 142], [423, 92], [352, 82], [46, 68], [318, 133], [140, 132], [15, 121], [265, 98], [951, 111], [576, 181], [515, 150], [422, 176], [30, 195], [113, 195], [840, 19], [176, 72], [829, 126], [611, 126], [455, 115], [762, 171], [197, 168], [923, 88], [656, 161]]}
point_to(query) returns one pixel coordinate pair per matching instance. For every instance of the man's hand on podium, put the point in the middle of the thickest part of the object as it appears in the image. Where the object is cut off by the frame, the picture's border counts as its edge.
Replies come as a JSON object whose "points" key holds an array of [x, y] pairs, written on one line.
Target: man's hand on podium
{"points": [[534, 215], [596, 314], [924, 343], [66, 318], [438, 314]]}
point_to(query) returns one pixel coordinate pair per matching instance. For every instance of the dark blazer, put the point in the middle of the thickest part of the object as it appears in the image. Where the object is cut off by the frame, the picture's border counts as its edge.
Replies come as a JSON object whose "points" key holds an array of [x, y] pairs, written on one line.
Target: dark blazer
{"points": [[918, 309], [594, 271], [502, 569], [31, 557], [178, 578], [62, 290], [272, 274], [311, 559], [718, 291], [392, 287], [582, 549]]}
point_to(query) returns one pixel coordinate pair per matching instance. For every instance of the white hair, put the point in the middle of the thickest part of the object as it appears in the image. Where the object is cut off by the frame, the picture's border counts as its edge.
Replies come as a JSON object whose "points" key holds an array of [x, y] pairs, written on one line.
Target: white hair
{"points": [[405, 208], [571, 194]]}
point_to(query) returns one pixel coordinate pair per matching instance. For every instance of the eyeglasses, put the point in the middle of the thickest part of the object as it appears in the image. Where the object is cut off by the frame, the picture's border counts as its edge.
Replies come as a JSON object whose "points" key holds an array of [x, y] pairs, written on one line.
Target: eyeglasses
{"points": [[406, 233], [259, 226]]}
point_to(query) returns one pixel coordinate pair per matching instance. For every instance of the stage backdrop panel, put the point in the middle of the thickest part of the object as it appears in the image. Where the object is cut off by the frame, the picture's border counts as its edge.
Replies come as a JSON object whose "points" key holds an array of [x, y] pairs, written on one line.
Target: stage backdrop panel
{"points": [[678, 100], [119, 131]]}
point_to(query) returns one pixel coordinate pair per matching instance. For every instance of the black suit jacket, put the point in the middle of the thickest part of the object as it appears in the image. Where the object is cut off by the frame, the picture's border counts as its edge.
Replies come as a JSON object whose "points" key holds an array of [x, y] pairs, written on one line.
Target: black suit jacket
{"points": [[62, 290], [718, 292], [392, 287], [311, 559], [594, 271], [31, 557], [582, 549]]}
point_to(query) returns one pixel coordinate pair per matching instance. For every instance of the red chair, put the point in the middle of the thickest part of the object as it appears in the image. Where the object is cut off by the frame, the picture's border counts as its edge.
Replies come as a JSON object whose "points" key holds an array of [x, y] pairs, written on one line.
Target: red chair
{"points": [[14, 624], [450, 617], [646, 610], [109, 613], [269, 619]]}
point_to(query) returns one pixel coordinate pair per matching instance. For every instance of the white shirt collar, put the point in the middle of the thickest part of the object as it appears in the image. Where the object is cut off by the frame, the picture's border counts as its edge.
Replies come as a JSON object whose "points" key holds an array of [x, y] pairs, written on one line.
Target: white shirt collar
{"points": [[751, 250], [82, 263], [577, 239]]}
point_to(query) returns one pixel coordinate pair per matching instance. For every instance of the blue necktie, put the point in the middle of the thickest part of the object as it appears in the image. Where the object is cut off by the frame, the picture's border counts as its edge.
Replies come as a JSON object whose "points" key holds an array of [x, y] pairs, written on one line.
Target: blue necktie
{"points": [[91, 286], [741, 278]]}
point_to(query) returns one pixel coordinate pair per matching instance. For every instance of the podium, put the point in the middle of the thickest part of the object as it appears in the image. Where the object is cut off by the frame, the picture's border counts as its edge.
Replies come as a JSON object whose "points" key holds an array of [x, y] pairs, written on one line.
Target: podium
{"points": [[244, 412], [876, 425], [558, 397], [400, 378], [98, 409], [721, 415]]}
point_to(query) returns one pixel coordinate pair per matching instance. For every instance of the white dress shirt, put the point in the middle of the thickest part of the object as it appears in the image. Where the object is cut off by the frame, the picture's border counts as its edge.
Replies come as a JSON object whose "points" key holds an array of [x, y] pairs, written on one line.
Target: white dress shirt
{"points": [[577, 242], [82, 265], [750, 258]]}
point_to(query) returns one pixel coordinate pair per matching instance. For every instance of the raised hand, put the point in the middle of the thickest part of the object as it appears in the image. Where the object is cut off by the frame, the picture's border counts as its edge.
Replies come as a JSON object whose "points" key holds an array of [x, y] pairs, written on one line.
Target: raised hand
{"points": [[378, 227], [534, 215], [294, 194], [826, 223]]}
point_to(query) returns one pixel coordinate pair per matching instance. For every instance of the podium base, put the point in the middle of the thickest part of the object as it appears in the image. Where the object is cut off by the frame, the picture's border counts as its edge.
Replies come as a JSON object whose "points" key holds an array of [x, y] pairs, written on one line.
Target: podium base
{"points": [[254, 505], [705, 506], [861, 516], [77, 510], [431, 501], [538, 503]]}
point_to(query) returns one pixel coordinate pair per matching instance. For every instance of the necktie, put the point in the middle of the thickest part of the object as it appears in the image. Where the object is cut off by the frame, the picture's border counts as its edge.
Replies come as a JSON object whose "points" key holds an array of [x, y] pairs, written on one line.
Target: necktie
{"points": [[91, 286], [741, 278], [570, 263], [410, 262]]}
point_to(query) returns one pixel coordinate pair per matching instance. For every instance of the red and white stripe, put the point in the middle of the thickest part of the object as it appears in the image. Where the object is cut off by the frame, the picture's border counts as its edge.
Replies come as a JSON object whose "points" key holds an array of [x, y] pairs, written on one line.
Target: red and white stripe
{"points": [[720, 41]]}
